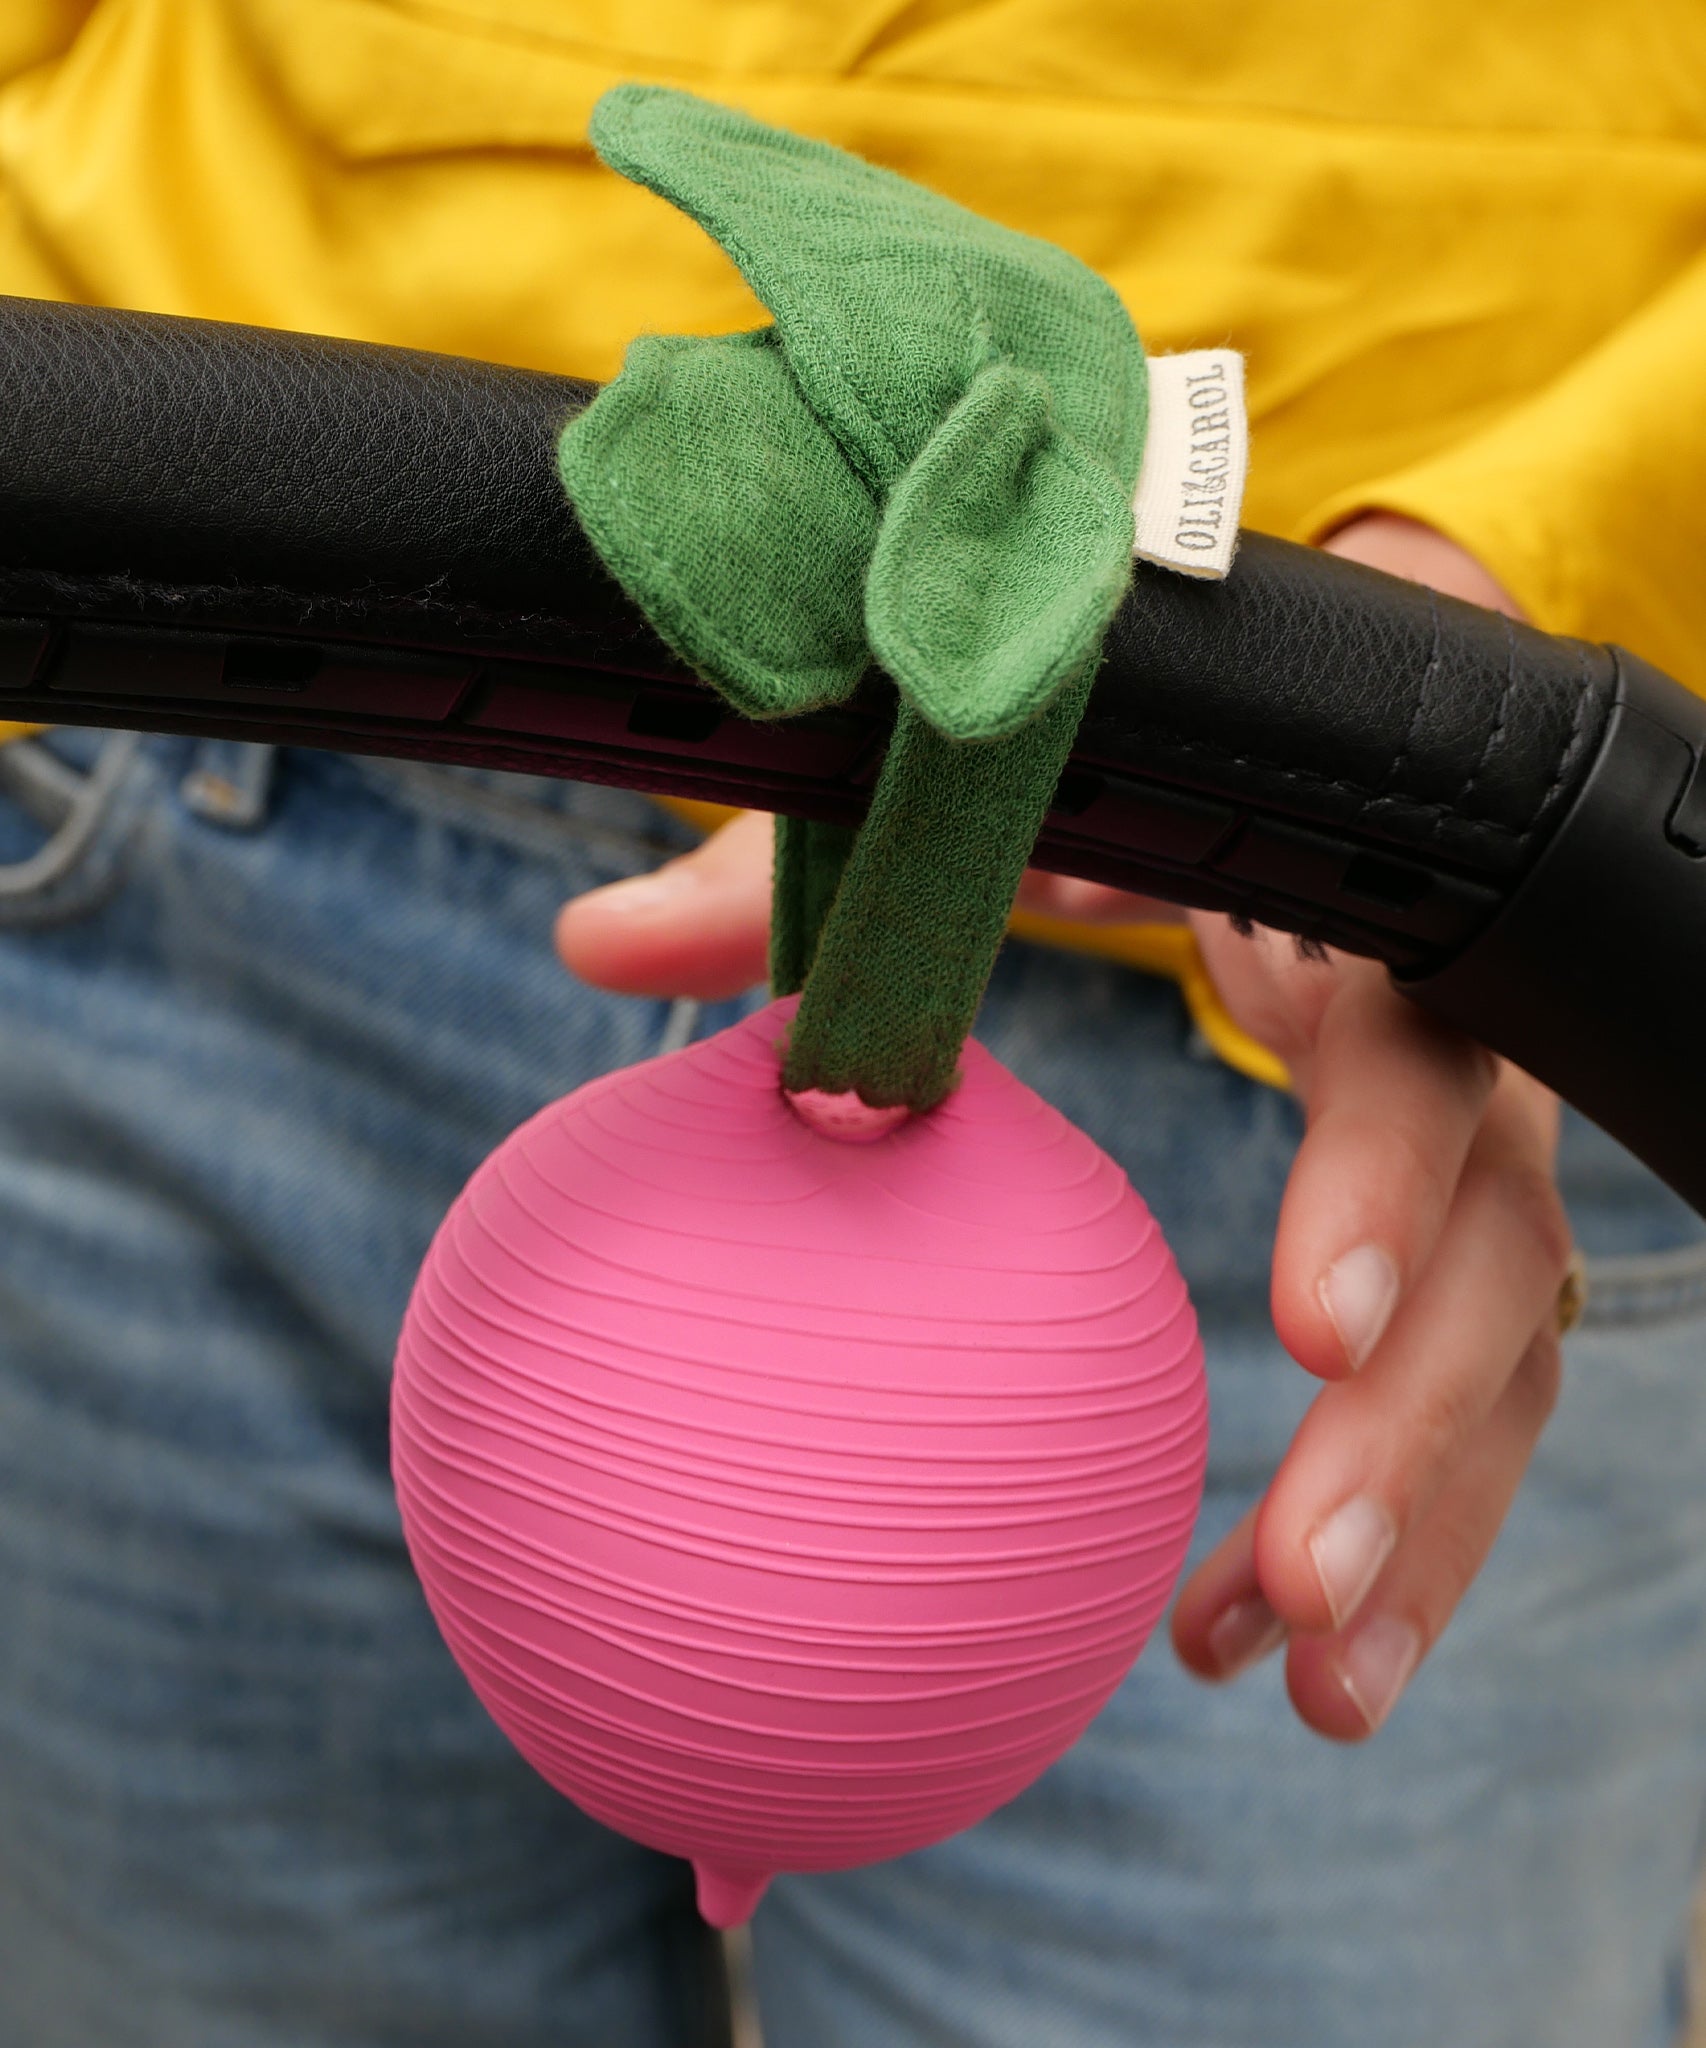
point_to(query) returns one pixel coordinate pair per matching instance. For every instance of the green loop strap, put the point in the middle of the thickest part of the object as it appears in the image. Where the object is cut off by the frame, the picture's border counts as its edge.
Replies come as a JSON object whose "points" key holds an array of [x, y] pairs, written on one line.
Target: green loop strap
{"points": [[929, 461], [909, 943]]}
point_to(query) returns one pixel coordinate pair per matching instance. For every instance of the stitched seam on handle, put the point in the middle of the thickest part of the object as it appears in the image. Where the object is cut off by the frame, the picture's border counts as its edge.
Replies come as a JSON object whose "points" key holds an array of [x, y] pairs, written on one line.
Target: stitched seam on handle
{"points": [[308, 603], [1391, 779], [1367, 799], [1575, 738], [1496, 729]]}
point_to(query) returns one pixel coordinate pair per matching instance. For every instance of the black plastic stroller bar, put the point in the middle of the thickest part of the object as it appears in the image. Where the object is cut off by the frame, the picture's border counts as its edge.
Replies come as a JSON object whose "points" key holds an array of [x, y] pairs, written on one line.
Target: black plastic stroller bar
{"points": [[238, 532]]}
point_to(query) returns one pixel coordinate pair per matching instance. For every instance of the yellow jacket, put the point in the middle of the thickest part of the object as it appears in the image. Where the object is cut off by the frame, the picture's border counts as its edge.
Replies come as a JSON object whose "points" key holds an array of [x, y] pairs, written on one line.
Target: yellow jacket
{"points": [[1462, 242]]}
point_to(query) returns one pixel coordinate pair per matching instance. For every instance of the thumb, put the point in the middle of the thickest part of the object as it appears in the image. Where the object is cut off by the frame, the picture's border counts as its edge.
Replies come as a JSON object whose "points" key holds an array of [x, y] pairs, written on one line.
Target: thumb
{"points": [[697, 926]]}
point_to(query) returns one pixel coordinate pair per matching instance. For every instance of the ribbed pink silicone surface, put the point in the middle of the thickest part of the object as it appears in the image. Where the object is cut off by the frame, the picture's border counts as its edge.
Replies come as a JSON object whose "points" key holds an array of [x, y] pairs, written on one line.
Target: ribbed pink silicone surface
{"points": [[793, 1503]]}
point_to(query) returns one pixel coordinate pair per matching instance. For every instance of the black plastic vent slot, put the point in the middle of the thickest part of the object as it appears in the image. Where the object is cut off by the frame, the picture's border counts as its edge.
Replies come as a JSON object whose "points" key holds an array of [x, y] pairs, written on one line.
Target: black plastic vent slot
{"points": [[1389, 882], [270, 665], [662, 715], [1076, 791]]}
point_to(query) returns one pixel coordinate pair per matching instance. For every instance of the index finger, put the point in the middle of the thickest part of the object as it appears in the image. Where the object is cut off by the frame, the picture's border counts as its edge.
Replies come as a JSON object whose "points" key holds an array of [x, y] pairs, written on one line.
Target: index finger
{"points": [[1394, 1099], [697, 926]]}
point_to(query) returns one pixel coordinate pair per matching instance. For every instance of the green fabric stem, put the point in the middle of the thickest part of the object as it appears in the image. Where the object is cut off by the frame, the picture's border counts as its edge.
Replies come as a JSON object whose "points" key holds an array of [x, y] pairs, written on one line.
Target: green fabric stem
{"points": [[903, 960], [810, 858], [929, 459]]}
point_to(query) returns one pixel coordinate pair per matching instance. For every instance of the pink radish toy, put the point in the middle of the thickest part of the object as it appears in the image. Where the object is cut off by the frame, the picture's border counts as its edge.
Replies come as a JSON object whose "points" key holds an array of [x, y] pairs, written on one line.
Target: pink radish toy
{"points": [[798, 1436], [792, 1503]]}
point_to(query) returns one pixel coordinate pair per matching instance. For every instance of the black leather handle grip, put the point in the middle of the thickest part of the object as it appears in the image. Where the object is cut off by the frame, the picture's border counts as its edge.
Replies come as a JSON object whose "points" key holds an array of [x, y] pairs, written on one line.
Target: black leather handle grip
{"points": [[228, 530]]}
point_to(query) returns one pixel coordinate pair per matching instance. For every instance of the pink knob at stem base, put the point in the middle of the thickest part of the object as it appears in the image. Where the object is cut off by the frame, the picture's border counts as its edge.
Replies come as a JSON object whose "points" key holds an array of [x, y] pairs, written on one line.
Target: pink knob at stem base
{"points": [[848, 1116]]}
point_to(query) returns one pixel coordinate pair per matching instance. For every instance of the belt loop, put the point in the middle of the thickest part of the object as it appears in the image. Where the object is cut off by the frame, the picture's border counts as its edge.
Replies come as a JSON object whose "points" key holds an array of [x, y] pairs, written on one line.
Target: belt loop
{"points": [[230, 783]]}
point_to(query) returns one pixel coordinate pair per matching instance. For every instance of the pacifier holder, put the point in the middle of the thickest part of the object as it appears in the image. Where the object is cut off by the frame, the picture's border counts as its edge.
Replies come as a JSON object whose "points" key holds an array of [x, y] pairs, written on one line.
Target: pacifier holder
{"points": [[793, 1502]]}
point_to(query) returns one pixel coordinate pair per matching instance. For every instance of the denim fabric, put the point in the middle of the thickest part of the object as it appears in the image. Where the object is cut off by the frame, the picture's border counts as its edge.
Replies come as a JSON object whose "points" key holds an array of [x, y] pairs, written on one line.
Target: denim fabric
{"points": [[259, 1024]]}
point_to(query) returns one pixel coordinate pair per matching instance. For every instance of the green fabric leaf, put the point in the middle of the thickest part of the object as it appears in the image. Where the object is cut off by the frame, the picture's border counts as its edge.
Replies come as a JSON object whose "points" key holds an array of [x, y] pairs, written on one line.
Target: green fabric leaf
{"points": [[723, 506], [889, 299], [1002, 553]]}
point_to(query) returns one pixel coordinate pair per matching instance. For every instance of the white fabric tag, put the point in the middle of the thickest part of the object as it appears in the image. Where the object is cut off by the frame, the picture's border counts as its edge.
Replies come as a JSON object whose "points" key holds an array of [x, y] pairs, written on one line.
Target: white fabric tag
{"points": [[1191, 485]]}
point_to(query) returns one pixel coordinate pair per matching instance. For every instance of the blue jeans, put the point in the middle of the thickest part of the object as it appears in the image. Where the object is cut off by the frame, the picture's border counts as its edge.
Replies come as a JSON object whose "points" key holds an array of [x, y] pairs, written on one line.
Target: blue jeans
{"points": [[262, 1015]]}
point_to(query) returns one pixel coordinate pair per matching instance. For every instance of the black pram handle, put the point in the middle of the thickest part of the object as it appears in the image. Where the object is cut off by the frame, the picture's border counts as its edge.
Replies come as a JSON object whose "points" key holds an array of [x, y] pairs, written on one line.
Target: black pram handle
{"points": [[233, 531]]}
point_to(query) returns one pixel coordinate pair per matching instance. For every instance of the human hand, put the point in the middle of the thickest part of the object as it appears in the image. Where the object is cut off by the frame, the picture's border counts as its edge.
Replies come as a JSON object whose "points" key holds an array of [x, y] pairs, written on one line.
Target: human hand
{"points": [[1420, 1252], [1416, 1269]]}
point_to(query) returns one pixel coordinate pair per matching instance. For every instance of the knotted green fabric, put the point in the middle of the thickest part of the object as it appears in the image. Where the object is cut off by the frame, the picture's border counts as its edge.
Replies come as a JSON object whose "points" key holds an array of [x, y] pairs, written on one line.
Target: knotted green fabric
{"points": [[928, 459]]}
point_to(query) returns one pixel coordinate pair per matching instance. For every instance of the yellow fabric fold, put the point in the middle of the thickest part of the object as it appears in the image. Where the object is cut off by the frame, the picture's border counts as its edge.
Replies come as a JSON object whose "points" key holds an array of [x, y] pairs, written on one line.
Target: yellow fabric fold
{"points": [[1587, 501], [33, 31]]}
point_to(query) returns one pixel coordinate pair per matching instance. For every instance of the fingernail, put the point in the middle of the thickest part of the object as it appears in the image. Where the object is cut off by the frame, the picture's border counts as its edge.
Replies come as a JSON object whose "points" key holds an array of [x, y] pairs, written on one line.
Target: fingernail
{"points": [[1376, 1664], [1349, 1549], [1243, 1635], [1359, 1293]]}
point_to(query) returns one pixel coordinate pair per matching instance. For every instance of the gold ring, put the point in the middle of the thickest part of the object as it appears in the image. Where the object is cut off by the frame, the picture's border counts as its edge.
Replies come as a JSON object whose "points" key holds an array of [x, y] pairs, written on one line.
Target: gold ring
{"points": [[1572, 1294]]}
